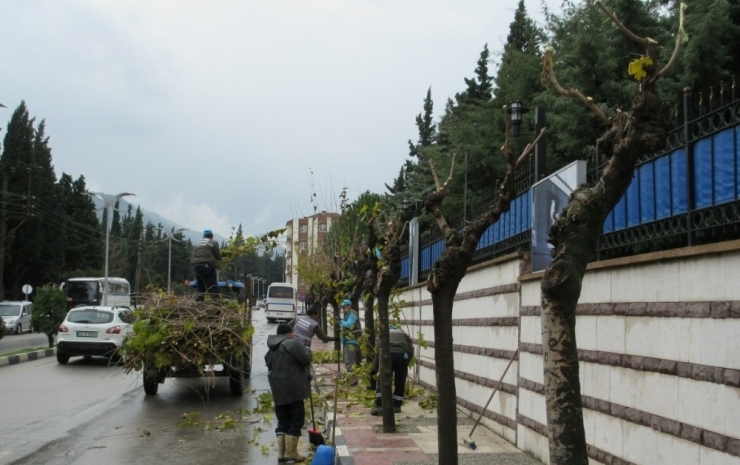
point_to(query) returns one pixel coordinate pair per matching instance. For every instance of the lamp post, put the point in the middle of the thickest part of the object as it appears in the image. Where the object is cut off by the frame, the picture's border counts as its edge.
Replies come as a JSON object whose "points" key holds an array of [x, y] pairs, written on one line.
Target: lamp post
{"points": [[169, 260], [108, 221], [517, 111], [251, 284]]}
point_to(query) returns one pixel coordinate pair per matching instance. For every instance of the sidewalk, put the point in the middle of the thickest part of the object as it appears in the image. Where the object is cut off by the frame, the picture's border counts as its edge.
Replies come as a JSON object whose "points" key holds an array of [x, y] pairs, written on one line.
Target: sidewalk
{"points": [[360, 440], [27, 357]]}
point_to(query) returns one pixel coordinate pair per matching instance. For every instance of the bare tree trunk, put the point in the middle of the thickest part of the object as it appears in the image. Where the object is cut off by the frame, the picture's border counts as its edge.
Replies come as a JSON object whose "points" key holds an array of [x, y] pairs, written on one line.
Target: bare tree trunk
{"points": [[370, 333], [444, 368], [575, 235], [384, 352]]}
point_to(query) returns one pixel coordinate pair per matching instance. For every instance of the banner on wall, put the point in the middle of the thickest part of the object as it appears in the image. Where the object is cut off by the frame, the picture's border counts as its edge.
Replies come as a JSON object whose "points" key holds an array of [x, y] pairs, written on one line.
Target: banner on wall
{"points": [[549, 197]]}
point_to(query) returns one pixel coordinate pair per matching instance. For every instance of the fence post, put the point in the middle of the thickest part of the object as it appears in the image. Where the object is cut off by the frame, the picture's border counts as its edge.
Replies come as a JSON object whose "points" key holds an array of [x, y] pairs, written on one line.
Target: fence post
{"points": [[689, 164]]}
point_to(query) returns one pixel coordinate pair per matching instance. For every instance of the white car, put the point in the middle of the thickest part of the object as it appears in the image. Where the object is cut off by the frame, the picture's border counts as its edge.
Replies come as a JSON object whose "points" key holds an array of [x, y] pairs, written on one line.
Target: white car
{"points": [[92, 330]]}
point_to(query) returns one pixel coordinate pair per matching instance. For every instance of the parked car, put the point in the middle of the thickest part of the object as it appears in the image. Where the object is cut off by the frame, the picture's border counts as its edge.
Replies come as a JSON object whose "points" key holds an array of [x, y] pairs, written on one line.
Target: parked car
{"points": [[92, 330], [16, 315]]}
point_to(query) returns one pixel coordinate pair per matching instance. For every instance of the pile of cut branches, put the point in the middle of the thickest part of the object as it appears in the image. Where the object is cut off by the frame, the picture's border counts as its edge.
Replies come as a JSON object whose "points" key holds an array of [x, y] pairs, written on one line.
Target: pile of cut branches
{"points": [[180, 332]]}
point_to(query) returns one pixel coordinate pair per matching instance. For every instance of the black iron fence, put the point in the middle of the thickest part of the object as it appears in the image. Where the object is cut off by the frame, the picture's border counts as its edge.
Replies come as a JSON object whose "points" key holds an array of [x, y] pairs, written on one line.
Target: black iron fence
{"points": [[687, 194]]}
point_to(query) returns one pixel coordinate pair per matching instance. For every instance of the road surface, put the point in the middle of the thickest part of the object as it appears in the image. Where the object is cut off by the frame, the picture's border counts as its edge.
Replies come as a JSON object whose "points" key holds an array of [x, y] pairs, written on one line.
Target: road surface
{"points": [[87, 412]]}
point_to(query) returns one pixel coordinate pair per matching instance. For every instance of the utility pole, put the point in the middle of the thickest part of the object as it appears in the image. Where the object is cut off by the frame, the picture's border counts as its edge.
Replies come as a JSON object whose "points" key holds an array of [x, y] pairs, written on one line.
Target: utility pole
{"points": [[137, 285]]}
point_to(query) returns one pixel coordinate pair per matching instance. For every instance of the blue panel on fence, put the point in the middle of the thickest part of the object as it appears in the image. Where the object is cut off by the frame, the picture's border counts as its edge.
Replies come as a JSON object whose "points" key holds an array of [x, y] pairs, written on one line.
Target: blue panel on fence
{"points": [[633, 201], [703, 173], [737, 159], [678, 181], [426, 263], [662, 187], [404, 268], [527, 210], [647, 192], [608, 223], [620, 214], [724, 166], [517, 214], [506, 224], [437, 249]]}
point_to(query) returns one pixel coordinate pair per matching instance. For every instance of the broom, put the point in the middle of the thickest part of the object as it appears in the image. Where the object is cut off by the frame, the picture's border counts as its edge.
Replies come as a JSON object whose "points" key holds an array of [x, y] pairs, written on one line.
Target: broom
{"points": [[314, 436], [469, 440]]}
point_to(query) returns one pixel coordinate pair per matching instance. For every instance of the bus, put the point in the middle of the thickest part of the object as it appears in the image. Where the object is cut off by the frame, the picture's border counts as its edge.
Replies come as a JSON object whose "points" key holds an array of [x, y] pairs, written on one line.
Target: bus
{"points": [[92, 291], [281, 302]]}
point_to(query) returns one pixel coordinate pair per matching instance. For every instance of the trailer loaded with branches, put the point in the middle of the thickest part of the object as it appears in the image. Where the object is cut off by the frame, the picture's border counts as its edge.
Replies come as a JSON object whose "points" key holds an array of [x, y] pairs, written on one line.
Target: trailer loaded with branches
{"points": [[180, 337]]}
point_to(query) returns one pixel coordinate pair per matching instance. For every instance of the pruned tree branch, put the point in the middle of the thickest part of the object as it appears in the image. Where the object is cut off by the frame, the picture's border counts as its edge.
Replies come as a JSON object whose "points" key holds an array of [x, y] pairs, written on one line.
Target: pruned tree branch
{"points": [[548, 64], [437, 184], [680, 37], [506, 189], [529, 148], [646, 41], [434, 201]]}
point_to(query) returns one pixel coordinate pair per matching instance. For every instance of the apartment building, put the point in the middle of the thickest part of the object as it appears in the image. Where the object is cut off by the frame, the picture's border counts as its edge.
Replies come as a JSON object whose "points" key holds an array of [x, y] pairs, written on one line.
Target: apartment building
{"points": [[302, 236]]}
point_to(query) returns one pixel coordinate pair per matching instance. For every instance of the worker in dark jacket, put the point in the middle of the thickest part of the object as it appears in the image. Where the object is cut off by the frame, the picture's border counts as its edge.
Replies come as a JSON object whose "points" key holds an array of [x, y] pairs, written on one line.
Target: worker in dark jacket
{"points": [[307, 326], [206, 257], [287, 363], [402, 350]]}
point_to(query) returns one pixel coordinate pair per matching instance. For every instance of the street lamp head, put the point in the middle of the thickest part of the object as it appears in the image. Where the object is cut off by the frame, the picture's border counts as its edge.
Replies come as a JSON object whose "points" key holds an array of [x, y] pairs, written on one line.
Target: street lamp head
{"points": [[516, 111]]}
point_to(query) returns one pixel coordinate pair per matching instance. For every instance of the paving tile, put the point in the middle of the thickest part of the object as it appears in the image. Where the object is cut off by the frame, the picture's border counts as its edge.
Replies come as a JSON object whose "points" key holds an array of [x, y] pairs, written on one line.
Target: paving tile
{"points": [[416, 441]]}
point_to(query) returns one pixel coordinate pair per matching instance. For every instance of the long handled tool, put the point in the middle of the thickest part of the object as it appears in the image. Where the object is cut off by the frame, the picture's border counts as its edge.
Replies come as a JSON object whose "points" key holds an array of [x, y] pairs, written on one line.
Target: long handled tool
{"points": [[314, 436], [469, 440], [334, 417]]}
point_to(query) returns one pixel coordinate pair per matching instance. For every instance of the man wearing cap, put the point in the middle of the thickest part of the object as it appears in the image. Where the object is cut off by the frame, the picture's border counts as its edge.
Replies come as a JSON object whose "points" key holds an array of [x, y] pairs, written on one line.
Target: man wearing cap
{"points": [[287, 363], [351, 332], [205, 262], [307, 326]]}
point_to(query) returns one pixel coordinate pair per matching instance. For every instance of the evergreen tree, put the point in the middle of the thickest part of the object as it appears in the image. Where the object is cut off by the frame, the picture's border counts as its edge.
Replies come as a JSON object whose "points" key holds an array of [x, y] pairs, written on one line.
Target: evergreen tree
{"points": [[594, 66], [83, 238], [518, 75], [47, 224], [32, 250], [709, 59]]}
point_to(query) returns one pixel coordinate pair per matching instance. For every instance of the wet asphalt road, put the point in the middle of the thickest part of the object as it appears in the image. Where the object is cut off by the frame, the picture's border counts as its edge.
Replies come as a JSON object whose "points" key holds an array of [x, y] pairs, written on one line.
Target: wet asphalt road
{"points": [[90, 413]]}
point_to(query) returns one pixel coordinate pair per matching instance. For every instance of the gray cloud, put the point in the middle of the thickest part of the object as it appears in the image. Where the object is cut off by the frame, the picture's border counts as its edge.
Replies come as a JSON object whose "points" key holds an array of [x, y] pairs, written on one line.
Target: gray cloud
{"points": [[216, 113]]}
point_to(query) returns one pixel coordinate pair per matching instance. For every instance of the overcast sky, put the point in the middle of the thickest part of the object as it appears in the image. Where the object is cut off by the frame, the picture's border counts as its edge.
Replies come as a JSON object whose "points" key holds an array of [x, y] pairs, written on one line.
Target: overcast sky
{"points": [[222, 113]]}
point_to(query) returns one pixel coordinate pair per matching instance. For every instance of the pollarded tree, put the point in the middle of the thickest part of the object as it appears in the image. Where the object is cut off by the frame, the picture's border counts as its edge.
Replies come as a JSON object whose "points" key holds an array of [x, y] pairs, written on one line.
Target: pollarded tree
{"points": [[593, 60], [629, 135], [446, 275]]}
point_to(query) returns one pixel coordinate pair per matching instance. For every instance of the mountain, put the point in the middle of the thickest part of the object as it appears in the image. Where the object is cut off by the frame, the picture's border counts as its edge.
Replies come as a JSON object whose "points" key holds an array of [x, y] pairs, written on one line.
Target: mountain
{"points": [[150, 217]]}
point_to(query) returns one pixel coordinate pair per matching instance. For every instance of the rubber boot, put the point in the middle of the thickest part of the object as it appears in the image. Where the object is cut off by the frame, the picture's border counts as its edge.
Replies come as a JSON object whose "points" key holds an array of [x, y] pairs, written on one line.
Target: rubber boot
{"points": [[281, 447], [291, 449]]}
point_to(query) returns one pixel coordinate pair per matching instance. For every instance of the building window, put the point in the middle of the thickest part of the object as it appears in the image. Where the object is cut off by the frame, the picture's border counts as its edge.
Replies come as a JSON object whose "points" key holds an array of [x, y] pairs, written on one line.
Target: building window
{"points": [[303, 246], [304, 228], [322, 227]]}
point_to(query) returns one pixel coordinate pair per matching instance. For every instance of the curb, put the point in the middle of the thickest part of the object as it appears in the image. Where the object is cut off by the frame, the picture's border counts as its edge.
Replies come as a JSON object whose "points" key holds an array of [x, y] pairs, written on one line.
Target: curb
{"points": [[27, 357]]}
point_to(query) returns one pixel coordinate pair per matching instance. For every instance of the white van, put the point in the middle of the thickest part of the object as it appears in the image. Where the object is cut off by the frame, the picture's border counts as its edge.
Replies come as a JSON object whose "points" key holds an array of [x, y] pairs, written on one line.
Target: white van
{"points": [[16, 315], [281, 302]]}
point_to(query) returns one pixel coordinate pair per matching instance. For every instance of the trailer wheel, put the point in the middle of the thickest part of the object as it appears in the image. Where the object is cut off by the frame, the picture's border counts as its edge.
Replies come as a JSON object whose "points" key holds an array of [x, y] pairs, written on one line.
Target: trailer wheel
{"points": [[151, 384], [236, 380]]}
